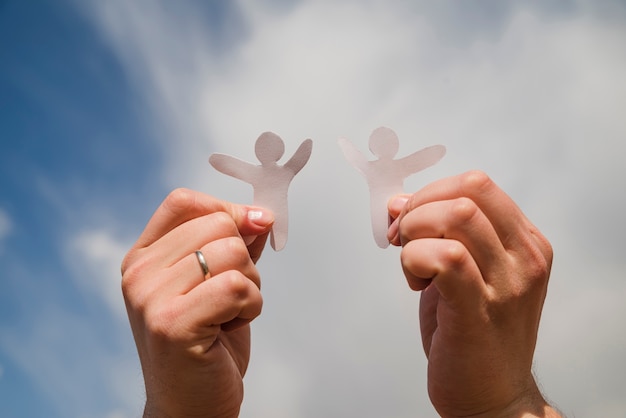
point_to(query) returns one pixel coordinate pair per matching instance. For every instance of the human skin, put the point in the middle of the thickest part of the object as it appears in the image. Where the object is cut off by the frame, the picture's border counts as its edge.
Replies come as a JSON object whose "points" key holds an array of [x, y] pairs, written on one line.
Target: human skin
{"points": [[192, 334], [482, 268], [483, 271]]}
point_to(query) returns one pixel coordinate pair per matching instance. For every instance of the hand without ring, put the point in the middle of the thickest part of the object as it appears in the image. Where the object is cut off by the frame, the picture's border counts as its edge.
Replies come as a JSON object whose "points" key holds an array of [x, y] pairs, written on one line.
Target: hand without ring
{"points": [[203, 264]]}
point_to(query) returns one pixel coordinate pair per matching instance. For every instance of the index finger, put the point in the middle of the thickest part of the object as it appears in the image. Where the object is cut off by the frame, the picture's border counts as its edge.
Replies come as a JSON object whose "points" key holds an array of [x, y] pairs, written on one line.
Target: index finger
{"points": [[507, 219], [182, 205]]}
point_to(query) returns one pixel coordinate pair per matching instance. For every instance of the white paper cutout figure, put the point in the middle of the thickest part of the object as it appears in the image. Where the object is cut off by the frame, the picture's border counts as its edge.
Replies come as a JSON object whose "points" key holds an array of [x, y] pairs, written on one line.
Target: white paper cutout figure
{"points": [[385, 176], [269, 180]]}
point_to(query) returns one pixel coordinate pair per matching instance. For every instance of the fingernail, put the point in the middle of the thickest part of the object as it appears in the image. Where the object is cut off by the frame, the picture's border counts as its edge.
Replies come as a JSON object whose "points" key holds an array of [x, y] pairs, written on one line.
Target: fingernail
{"points": [[392, 233], [260, 217]]}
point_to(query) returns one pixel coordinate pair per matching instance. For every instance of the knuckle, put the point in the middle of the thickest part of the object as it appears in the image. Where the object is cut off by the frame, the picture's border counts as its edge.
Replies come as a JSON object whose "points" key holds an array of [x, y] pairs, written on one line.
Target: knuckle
{"points": [[237, 285], [537, 267], [132, 273], [475, 181], [127, 261], [544, 245], [137, 284], [454, 254], [534, 258], [128, 279], [463, 210], [180, 200]]}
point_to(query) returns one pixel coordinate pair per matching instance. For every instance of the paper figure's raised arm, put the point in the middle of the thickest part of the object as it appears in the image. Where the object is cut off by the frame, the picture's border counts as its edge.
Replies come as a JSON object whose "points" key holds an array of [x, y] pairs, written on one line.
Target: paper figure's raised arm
{"points": [[354, 156], [300, 157], [231, 166], [421, 159]]}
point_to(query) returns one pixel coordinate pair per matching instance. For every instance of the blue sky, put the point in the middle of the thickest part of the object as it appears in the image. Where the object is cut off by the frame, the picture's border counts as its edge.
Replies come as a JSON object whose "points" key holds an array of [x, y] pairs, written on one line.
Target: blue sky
{"points": [[106, 106], [70, 142]]}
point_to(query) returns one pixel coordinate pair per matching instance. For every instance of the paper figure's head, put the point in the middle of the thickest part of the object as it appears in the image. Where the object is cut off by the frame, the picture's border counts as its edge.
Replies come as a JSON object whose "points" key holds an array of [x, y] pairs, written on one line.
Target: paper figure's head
{"points": [[269, 148], [384, 143]]}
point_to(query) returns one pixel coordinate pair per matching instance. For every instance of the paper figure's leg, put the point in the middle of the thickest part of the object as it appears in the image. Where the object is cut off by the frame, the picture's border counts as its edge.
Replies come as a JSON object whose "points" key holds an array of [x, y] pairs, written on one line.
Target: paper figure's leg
{"points": [[272, 240], [278, 235], [380, 220]]}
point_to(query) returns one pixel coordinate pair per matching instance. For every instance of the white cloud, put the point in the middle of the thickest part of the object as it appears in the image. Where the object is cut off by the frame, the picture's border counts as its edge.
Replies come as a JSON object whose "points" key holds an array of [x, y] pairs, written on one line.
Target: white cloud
{"points": [[81, 359], [537, 105], [95, 256], [68, 362]]}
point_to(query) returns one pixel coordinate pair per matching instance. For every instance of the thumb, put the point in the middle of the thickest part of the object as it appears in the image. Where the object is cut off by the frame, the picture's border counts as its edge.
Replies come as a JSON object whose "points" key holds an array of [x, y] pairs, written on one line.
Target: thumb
{"points": [[252, 220], [254, 228]]}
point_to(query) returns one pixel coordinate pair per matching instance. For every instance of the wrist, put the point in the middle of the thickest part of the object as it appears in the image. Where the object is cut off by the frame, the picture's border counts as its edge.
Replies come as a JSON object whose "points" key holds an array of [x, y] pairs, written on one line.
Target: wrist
{"points": [[529, 405], [193, 401], [522, 403], [154, 411]]}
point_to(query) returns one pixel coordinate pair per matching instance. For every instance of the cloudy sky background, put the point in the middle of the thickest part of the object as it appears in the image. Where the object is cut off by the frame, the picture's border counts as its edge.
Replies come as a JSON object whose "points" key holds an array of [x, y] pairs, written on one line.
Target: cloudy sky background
{"points": [[106, 106]]}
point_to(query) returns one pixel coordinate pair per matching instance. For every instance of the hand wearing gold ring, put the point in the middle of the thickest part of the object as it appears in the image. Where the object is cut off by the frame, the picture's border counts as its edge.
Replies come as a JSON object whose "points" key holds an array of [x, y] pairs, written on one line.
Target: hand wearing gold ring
{"points": [[192, 334]]}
